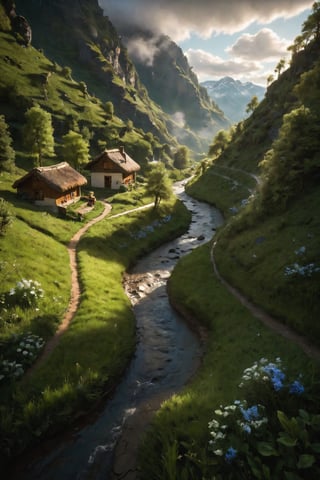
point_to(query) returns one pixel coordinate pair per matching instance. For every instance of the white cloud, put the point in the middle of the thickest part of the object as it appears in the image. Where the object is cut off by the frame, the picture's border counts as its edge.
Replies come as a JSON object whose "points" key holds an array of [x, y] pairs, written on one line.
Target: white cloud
{"points": [[264, 45], [209, 66], [142, 49], [180, 18]]}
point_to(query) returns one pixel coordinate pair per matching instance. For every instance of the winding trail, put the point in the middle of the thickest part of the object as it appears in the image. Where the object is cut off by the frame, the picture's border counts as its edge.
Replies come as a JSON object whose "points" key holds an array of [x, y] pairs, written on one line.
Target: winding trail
{"points": [[75, 285], [310, 349], [265, 318], [74, 293]]}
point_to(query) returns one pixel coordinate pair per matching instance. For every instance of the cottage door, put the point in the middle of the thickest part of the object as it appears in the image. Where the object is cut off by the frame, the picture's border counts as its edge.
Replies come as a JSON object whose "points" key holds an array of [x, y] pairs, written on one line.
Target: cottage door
{"points": [[107, 181]]}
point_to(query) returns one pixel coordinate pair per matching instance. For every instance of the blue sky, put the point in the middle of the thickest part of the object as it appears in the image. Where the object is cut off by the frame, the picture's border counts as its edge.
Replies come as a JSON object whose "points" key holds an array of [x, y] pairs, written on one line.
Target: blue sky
{"points": [[239, 38]]}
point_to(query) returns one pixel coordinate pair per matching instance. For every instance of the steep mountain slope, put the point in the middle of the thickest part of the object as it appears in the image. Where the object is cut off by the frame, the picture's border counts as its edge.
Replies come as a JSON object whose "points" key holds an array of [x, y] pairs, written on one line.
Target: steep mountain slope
{"points": [[170, 81], [77, 34], [233, 96]]}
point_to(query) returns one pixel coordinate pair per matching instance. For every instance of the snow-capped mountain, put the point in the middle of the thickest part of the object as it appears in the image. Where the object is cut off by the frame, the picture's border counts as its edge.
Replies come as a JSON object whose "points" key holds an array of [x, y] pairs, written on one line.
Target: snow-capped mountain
{"points": [[233, 96]]}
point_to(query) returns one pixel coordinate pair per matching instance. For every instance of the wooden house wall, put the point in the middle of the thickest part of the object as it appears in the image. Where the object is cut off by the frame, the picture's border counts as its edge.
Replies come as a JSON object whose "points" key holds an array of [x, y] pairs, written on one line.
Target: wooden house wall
{"points": [[105, 165], [36, 190]]}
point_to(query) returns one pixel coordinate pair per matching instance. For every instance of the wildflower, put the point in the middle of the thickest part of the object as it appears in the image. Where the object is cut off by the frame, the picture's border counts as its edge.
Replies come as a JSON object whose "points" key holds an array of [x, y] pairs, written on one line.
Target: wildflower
{"points": [[275, 374], [250, 413], [218, 452], [296, 387], [231, 454], [245, 427]]}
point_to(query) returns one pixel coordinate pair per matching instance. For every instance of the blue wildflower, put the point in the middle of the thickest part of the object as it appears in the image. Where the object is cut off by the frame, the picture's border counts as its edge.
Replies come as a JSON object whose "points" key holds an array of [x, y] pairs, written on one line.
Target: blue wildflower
{"points": [[296, 387], [246, 428], [276, 375], [250, 413], [231, 454]]}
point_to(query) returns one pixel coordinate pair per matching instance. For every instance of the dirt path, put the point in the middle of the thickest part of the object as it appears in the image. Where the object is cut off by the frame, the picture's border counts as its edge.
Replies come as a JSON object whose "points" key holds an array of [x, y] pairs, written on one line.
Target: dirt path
{"points": [[75, 286], [75, 290], [304, 343]]}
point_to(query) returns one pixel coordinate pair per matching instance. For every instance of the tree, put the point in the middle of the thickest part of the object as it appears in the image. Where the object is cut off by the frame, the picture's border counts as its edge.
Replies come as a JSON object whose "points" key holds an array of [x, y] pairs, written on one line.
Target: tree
{"points": [[181, 158], [109, 109], [7, 153], [280, 66], [220, 142], [270, 79], [252, 105], [308, 89], [38, 134], [293, 160], [311, 27], [158, 184], [75, 149], [67, 73], [84, 89]]}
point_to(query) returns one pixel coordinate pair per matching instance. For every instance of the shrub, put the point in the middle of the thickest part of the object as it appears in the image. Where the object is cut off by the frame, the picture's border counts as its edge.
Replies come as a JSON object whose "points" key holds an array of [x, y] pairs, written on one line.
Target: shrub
{"points": [[26, 294], [5, 217]]}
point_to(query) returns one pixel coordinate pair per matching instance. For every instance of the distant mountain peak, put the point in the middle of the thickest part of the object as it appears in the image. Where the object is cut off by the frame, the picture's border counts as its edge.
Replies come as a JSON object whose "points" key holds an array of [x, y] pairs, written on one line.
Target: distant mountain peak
{"points": [[233, 96]]}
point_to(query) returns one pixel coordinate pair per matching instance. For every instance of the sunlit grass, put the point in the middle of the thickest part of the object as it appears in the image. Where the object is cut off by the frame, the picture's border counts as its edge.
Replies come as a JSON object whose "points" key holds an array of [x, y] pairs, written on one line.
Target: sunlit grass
{"points": [[222, 187]]}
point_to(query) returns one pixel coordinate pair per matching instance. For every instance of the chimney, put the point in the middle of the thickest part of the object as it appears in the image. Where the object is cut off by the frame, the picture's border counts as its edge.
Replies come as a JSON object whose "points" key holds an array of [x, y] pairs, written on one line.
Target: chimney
{"points": [[121, 150]]}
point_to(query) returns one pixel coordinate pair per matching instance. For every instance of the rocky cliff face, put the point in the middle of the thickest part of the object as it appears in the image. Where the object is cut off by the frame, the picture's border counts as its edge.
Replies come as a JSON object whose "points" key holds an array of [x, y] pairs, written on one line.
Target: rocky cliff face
{"points": [[170, 81], [77, 34], [19, 24]]}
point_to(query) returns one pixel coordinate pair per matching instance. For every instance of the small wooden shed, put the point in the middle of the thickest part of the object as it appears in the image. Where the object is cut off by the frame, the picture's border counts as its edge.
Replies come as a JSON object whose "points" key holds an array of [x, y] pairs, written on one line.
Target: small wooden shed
{"points": [[53, 186], [113, 168]]}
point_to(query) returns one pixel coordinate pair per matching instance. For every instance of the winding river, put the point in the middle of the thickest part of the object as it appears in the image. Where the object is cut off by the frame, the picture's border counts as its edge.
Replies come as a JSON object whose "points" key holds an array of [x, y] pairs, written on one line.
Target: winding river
{"points": [[167, 355]]}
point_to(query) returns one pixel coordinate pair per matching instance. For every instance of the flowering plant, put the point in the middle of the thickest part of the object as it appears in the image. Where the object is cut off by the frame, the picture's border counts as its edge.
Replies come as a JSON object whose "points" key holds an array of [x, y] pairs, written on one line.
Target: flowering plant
{"points": [[257, 441], [19, 352], [25, 294]]}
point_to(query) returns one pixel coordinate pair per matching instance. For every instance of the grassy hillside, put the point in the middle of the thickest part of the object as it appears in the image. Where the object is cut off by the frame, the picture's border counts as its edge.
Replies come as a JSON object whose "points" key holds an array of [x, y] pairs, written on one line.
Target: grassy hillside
{"points": [[242, 417], [269, 193], [34, 295]]}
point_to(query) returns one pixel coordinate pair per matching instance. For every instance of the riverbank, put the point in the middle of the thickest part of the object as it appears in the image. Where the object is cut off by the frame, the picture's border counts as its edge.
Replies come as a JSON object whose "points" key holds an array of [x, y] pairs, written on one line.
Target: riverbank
{"points": [[179, 437]]}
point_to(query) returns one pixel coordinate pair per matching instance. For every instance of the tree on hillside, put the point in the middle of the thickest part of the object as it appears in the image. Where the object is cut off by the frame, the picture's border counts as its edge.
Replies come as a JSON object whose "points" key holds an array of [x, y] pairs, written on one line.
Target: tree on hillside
{"points": [[311, 27], [7, 153], [181, 158], [220, 143], [280, 66], [75, 149], [294, 159], [158, 184], [270, 79], [252, 105], [38, 134], [67, 73], [109, 109], [308, 89]]}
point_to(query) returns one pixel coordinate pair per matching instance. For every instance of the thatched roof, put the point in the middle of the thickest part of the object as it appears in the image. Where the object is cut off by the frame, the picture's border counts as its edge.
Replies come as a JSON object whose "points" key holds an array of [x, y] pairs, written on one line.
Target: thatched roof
{"points": [[61, 177], [119, 157]]}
